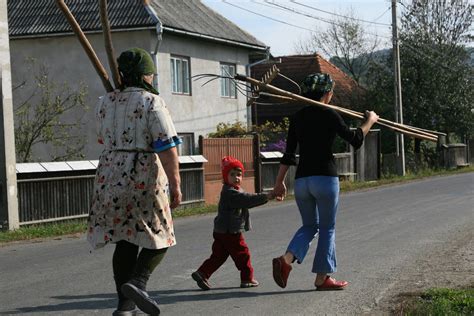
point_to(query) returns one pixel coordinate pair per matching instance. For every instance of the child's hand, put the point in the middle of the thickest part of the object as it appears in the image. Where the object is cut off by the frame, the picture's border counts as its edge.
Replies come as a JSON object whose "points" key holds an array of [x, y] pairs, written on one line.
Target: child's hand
{"points": [[271, 195]]}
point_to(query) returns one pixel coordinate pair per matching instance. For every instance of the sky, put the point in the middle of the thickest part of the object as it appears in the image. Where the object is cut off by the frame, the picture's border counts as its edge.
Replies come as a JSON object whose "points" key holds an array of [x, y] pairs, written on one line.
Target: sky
{"points": [[281, 37]]}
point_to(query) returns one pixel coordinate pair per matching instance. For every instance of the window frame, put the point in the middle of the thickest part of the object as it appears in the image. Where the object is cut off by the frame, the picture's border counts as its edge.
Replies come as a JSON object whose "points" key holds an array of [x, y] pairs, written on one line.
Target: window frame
{"points": [[228, 88], [191, 148], [185, 75]]}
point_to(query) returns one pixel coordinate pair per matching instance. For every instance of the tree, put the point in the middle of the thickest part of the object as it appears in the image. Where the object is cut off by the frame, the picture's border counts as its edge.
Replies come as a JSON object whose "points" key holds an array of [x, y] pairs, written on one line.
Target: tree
{"points": [[437, 79], [437, 86], [40, 119], [345, 42]]}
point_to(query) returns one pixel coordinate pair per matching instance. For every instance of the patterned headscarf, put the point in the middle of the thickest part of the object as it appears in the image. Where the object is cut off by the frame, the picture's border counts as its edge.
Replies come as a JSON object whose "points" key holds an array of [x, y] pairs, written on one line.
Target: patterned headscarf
{"points": [[229, 163], [133, 64], [317, 84]]}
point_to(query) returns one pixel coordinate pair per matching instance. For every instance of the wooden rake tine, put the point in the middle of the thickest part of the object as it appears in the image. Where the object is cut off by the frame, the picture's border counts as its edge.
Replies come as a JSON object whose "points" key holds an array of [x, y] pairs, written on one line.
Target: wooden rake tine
{"points": [[86, 45], [267, 78]]}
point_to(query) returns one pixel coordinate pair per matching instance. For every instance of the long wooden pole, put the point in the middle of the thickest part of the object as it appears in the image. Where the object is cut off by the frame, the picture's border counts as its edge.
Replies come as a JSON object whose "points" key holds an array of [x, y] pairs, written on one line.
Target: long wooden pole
{"points": [[87, 46], [403, 126], [394, 126], [109, 47], [426, 132]]}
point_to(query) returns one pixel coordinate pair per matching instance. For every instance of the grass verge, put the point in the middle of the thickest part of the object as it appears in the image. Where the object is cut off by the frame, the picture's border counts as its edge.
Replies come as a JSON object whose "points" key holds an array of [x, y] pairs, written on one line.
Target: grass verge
{"points": [[439, 302], [79, 226]]}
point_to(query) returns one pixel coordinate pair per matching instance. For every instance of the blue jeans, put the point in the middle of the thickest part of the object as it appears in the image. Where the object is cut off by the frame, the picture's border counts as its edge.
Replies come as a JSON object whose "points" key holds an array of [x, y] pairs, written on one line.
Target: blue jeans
{"points": [[317, 198]]}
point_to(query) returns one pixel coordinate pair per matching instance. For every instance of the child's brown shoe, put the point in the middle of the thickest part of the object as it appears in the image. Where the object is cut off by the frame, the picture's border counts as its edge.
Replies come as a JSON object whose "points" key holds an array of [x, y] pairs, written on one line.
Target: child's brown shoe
{"points": [[201, 281], [247, 284]]}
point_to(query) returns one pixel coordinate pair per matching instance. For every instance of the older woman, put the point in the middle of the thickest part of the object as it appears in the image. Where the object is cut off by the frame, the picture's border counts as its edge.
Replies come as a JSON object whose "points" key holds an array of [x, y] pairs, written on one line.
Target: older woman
{"points": [[137, 169], [313, 130]]}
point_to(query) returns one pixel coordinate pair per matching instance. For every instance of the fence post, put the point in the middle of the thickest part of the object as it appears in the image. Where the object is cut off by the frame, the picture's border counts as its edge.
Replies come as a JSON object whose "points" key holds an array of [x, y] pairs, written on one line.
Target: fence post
{"points": [[200, 144], [257, 166]]}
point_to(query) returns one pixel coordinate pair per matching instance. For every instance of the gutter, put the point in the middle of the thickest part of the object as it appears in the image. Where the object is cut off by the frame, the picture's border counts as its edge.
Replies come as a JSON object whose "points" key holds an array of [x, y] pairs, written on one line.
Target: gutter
{"points": [[159, 38], [216, 39], [166, 28]]}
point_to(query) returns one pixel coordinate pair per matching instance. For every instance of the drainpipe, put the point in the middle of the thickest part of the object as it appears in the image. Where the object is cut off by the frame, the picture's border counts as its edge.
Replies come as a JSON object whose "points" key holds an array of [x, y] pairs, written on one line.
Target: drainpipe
{"points": [[159, 38], [248, 73]]}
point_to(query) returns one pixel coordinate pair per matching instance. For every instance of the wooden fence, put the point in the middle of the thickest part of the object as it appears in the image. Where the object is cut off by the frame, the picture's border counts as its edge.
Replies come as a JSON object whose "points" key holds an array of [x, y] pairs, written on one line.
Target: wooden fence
{"points": [[216, 148]]}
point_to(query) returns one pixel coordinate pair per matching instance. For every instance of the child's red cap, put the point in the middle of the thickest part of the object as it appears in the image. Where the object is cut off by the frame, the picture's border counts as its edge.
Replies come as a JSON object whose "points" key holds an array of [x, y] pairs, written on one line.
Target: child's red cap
{"points": [[229, 163]]}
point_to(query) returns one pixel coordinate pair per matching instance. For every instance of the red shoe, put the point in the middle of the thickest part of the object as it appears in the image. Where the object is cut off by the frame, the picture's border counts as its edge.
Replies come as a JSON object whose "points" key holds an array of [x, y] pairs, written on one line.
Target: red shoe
{"points": [[281, 271], [331, 284]]}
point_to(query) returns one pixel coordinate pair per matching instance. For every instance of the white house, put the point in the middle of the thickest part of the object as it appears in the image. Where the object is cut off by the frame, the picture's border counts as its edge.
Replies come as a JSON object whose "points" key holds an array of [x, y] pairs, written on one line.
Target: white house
{"points": [[195, 40]]}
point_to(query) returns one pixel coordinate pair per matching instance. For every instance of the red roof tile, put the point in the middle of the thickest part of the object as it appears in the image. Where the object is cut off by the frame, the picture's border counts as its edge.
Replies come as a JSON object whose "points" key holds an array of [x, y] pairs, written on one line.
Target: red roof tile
{"points": [[297, 67]]}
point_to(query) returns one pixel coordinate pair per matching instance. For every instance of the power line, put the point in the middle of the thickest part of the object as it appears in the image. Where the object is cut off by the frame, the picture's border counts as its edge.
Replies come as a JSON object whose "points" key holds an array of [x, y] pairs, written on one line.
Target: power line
{"points": [[380, 16], [274, 5], [285, 8], [416, 51], [267, 17], [420, 53], [340, 15]]}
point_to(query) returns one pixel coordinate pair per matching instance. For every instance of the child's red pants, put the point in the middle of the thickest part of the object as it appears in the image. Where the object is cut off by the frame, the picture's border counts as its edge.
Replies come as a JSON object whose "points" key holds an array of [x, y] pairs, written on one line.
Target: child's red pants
{"points": [[226, 245]]}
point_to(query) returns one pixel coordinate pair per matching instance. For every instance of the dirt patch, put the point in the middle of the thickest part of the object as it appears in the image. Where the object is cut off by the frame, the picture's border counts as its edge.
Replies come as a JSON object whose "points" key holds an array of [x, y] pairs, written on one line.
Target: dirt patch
{"points": [[450, 265]]}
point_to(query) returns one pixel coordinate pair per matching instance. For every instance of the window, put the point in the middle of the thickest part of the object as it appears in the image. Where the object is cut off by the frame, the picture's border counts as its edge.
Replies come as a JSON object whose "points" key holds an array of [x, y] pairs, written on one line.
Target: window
{"points": [[186, 148], [228, 88], [180, 75]]}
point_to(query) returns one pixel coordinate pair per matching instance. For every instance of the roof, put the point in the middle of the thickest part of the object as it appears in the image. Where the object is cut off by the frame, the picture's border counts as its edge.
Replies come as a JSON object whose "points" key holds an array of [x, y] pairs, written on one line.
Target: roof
{"points": [[297, 67], [41, 18]]}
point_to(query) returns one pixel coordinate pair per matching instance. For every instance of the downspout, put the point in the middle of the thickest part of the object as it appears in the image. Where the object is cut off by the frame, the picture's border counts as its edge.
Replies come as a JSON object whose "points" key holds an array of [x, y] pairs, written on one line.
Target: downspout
{"points": [[159, 38], [248, 69]]}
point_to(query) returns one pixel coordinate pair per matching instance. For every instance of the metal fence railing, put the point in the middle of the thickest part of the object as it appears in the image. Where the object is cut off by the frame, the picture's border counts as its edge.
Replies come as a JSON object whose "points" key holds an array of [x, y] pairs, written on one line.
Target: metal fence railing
{"points": [[50, 192], [271, 164], [53, 199]]}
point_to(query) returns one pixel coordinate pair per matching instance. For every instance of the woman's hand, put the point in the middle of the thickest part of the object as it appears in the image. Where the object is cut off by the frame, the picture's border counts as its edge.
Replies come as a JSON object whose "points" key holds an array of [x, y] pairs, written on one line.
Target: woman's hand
{"points": [[279, 191], [170, 162], [175, 197], [371, 116]]}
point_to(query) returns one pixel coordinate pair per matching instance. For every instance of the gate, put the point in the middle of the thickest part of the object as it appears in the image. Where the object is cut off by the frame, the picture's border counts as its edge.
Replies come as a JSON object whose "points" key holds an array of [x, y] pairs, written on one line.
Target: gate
{"points": [[214, 149]]}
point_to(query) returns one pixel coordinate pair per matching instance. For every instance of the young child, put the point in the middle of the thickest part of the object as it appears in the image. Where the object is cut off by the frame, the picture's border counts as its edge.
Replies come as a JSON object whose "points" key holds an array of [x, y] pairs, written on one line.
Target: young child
{"points": [[231, 220]]}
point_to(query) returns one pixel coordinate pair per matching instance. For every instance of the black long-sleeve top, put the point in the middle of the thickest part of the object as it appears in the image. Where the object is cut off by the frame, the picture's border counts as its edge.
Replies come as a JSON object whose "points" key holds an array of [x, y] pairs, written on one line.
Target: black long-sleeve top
{"points": [[314, 130]]}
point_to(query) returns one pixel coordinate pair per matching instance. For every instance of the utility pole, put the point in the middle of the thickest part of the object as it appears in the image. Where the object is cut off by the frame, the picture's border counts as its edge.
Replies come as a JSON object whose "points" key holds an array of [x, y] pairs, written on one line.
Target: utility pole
{"points": [[400, 143], [8, 188]]}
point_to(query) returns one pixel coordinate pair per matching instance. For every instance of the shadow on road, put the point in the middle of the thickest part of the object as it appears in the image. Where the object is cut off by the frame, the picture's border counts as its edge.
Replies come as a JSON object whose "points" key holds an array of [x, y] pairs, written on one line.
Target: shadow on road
{"points": [[108, 301]]}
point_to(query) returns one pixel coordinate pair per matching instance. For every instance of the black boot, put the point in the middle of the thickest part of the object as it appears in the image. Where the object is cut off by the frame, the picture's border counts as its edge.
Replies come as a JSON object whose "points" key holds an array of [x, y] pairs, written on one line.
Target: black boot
{"points": [[135, 289], [125, 307]]}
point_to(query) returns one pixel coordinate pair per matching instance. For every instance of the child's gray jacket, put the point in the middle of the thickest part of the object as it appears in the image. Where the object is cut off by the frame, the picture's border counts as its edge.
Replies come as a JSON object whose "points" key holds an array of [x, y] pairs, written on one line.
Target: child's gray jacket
{"points": [[233, 211]]}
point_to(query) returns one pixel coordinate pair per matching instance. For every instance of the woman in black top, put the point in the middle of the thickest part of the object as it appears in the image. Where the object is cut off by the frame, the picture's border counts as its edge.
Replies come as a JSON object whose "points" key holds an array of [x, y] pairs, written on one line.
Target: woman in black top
{"points": [[313, 129]]}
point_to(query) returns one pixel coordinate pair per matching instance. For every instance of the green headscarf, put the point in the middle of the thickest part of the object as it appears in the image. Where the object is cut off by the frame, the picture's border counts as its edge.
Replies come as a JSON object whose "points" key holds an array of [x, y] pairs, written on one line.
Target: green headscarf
{"points": [[133, 64], [316, 84]]}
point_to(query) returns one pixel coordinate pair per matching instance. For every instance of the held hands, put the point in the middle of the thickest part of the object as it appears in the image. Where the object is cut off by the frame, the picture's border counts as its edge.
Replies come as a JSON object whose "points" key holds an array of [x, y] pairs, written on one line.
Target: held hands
{"points": [[279, 191], [270, 195]]}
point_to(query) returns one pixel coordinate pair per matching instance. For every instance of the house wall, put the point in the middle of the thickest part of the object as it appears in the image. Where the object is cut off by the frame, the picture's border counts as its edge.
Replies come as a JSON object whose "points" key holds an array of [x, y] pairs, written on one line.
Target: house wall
{"points": [[67, 62]]}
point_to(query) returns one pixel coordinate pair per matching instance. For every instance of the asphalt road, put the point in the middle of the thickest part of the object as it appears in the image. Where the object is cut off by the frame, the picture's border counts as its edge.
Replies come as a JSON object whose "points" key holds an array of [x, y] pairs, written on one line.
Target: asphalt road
{"points": [[379, 233]]}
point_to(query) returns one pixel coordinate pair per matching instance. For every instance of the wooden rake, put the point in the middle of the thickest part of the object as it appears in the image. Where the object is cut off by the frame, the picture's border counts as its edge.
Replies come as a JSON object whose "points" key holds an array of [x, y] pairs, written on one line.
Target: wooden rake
{"points": [[103, 75], [286, 95]]}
